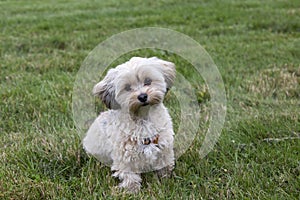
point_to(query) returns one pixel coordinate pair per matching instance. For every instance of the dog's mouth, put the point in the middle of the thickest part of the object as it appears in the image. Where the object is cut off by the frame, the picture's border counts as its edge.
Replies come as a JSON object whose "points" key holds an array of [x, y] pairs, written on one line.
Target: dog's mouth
{"points": [[145, 104], [134, 106]]}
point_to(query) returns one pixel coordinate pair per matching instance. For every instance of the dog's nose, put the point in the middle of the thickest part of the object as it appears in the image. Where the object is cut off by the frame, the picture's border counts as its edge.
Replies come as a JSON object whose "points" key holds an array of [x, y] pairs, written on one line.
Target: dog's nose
{"points": [[142, 97]]}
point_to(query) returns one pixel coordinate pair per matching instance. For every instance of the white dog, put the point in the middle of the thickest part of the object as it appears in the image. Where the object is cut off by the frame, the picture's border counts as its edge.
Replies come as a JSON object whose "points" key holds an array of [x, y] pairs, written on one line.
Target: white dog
{"points": [[136, 134]]}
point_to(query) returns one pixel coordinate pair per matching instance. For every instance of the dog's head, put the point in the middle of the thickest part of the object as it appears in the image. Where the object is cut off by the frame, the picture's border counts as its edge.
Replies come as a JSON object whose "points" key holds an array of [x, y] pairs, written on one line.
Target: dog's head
{"points": [[136, 83]]}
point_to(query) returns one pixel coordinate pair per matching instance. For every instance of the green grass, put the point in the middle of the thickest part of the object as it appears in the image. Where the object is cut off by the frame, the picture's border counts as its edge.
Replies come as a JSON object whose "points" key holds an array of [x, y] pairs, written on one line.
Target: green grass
{"points": [[256, 46]]}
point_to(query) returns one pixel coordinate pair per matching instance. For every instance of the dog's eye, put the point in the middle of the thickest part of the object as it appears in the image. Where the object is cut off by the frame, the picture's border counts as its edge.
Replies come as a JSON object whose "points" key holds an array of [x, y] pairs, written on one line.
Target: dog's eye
{"points": [[127, 87], [147, 81]]}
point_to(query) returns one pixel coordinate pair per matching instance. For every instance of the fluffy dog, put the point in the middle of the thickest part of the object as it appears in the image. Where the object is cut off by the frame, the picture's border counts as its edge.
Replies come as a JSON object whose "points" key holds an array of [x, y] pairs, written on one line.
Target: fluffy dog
{"points": [[136, 134]]}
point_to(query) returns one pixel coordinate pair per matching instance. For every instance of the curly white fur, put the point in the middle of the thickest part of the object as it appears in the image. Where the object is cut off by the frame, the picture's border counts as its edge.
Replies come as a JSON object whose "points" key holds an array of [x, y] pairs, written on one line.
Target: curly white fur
{"points": [[136, 134]]}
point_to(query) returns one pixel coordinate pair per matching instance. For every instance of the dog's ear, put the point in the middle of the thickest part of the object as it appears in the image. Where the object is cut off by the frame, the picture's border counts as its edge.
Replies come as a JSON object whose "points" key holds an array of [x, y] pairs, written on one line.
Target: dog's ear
{"points": [[168, 70], [105, 89]]}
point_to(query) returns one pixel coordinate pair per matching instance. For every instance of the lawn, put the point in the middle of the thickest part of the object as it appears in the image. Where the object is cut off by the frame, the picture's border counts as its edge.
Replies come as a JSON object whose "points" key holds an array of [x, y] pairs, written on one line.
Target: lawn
{"points": [[256, 46]]}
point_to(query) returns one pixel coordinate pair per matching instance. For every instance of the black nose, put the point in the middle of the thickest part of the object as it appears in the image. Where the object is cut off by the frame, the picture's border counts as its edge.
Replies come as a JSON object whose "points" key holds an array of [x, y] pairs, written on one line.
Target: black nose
{"points": [[142, 97]]}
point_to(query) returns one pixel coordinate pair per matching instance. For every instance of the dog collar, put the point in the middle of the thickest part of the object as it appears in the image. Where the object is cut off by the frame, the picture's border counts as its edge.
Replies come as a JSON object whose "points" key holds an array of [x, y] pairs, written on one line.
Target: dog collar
{"points": [[149, 140]]}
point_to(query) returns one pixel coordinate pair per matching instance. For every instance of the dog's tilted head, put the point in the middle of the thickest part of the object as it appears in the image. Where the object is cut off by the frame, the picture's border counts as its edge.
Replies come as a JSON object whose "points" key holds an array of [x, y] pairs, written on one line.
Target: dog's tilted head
{"points": [[137, 83]]}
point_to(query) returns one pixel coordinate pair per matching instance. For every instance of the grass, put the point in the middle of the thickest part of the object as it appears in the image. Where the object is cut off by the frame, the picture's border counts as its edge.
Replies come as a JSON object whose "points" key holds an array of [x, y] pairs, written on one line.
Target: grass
{"points": [[255, 46]]}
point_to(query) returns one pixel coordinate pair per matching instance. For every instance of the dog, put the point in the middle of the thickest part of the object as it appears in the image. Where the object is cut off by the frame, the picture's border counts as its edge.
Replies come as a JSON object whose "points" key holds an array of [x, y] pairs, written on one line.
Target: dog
{"points": [[135, 134]]}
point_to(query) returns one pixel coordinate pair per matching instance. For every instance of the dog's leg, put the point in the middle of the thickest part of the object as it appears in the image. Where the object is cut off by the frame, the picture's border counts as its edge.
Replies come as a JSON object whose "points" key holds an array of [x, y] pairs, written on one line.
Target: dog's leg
{"points": [[130, 181], [166, 162], [165, 172]]}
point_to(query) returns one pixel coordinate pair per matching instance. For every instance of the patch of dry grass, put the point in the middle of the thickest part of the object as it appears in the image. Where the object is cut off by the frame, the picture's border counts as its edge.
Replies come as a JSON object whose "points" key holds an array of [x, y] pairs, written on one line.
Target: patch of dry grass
{"points": [[277, 82]]}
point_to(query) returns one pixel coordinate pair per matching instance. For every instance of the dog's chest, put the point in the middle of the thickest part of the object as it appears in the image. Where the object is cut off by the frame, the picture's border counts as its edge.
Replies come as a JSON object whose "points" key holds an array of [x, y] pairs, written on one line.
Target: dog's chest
{"points": [[139, 137], [141, 132]]}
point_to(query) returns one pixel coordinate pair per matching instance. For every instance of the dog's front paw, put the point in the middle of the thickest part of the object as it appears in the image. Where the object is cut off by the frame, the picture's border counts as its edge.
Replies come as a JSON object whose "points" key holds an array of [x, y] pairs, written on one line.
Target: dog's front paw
{"points": [[165, 172], [130, 187], [130, 182]]}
